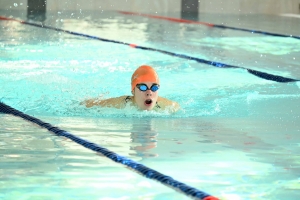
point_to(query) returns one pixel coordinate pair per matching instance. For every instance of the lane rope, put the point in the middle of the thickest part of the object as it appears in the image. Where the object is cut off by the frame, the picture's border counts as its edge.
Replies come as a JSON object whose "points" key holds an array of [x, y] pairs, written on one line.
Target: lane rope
{"points": [[137, 167], [259, 74], [209, 24]]}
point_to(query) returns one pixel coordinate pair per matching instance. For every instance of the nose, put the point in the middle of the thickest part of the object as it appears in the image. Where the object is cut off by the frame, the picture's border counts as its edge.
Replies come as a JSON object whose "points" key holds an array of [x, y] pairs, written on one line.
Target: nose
{"points": [[148, 93]]}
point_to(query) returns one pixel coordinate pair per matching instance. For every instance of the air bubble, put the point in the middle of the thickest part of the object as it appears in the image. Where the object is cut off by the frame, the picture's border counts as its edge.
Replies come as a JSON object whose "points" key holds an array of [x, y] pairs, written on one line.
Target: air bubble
{"points": [[15, 4]]}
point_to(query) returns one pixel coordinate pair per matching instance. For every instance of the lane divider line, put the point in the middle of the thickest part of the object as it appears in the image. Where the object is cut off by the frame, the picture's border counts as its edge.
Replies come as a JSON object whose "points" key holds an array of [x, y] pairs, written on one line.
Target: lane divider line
{"points": [[136, 167], [167, 18], [209, 24], [259, 74]]}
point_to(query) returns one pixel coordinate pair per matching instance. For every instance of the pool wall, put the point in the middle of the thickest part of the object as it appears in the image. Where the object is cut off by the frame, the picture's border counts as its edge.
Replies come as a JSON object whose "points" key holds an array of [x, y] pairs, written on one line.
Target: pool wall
{"points": [[160, 6]]}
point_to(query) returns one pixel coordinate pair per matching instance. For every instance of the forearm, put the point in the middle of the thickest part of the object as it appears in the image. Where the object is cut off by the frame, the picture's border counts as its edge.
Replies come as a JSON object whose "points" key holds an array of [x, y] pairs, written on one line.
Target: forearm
{"points": [[112, 102]]}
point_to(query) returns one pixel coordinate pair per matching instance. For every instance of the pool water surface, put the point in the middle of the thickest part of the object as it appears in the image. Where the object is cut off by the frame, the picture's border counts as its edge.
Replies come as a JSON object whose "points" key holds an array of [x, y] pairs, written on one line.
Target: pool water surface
{"points": [[235, 137]]}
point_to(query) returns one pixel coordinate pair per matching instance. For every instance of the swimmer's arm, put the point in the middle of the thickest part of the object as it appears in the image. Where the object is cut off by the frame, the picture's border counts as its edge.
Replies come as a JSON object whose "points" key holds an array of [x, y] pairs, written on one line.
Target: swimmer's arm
{"points": [[168, 104], [117, 102]]}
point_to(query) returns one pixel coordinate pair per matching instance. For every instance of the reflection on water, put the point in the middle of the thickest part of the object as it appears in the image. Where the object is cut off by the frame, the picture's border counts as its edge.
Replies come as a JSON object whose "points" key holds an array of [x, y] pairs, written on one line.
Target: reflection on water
{"points": [[143, 138]]}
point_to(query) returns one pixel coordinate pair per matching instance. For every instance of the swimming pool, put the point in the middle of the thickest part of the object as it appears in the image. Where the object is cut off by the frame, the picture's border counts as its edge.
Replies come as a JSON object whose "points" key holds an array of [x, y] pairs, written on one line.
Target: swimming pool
{"points": [[236, 137]]}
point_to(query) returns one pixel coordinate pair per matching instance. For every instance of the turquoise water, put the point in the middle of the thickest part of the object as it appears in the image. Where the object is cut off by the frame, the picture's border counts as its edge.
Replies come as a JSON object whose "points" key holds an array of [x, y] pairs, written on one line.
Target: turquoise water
{"points": [[236, 136]]}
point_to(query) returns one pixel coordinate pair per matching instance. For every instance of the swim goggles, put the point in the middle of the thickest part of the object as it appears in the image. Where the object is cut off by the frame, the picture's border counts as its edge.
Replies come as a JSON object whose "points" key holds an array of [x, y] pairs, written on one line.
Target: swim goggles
{"points": [[143, 87]]}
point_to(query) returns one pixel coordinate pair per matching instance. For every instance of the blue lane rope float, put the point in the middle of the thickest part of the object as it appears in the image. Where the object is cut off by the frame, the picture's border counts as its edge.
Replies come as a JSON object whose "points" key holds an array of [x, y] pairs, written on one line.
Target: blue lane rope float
{"points": [[260, 74], [209, 24], [137, 167]]}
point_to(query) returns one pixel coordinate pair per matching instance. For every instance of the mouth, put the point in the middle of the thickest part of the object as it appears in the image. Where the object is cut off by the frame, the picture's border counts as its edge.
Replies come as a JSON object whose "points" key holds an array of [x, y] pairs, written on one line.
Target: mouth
{"points": [[148, 102]]}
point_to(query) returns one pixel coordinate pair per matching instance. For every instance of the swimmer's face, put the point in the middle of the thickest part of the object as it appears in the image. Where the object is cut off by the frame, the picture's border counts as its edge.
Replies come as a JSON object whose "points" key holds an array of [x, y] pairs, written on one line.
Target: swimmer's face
{"points": [[145, 100]]}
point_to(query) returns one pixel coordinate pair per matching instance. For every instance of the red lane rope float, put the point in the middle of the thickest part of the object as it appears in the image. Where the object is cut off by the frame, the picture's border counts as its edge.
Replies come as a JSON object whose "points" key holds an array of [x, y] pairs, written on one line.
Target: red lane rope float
{"points": [[168, 18], [9, 19], [133, 45], [260, 74], [209, 24]]}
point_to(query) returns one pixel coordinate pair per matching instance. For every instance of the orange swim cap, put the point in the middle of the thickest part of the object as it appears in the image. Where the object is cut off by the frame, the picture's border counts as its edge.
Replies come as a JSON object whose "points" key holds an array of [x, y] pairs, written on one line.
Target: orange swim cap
{"points": [[142, 74]]}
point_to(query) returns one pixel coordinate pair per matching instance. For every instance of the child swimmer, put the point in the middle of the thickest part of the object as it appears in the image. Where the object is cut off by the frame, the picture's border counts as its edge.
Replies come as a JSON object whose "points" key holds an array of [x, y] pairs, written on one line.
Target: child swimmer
{"points": [[144, 88]]}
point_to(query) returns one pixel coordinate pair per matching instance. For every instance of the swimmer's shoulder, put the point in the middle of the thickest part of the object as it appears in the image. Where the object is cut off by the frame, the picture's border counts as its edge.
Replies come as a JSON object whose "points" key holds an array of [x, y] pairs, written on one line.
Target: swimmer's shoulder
{"points": [[116, 102], [165, 103]]}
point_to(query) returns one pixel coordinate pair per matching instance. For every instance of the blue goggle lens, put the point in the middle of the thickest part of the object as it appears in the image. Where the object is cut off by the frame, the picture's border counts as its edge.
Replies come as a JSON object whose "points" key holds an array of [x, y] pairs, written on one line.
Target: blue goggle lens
{"points": [[144, 87], [154, 88]]}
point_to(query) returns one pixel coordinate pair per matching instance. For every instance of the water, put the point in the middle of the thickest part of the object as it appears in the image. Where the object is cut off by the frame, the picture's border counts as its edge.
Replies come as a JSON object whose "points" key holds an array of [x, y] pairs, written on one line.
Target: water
{"points": [[236, 136]]}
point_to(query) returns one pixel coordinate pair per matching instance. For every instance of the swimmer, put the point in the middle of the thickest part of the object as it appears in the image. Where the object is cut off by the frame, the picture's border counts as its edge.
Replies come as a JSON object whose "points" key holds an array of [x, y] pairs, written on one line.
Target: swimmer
{"points": [[144, 89]]}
